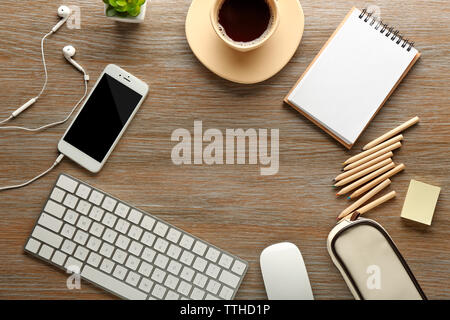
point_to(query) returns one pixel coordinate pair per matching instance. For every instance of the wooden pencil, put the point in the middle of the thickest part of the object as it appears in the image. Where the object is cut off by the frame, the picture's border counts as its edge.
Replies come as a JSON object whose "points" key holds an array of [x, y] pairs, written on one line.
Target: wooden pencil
{"points": [[373, 183], [362, 173], [391, 133], [374, 149], [364, 199], [348, 173], [373, 204], [373, 156], [366, 179]]}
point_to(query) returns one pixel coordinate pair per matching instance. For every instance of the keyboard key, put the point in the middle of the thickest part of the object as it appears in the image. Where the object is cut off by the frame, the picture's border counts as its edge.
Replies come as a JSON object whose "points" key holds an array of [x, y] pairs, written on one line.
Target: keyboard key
{"points": [[68, 246], [146, 285], [109, 204], [160, 229], [70, 201], [83, 191], [145, 269], [122, 242], [83, 207], [174, 251], [135, 232], [84, 223], [135, 216], [47, 237], [197, 294], [112, 284], [211, 297], [50, 222], [187, 257], [213, 270], [132, 262], [93, 243], [184, 288], [200, 264], [120, 272], [107, 265], [229, 279], [59, 258], [109, 235], [71, 216], [96, 197], [97, 214], [148, 255], [212, 254], [55, 209], [57, 195], [187, 274], [158, 291], [161, 245], [158, 275], [172, 295], [119, 256], [73, 264], [106, 250], [200, 280], [225, 261], [81, 237], [147, 223], [213, 286], [32, 245], [238, 267], [226, 293], [109, 220], [173, 235], [186, 242], [171, 281], [161, 261], [94, 259], [174, 267], [96, 229], [67, 183], [133, 278], [135, 248], [46, 251], [68, 231], [81, 253], [122, 226], [199, 248], [148, 238], [122, 210]]}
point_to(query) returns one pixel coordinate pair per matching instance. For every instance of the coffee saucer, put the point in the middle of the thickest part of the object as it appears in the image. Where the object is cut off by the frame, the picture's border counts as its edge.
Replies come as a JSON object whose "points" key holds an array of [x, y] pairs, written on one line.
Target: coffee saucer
{"points": [[244, 67]]}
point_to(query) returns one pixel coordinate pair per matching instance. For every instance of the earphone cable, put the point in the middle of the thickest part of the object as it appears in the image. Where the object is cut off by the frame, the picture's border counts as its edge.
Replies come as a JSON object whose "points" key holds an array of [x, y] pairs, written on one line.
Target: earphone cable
{"points": [[57, 161], [57, 122]]}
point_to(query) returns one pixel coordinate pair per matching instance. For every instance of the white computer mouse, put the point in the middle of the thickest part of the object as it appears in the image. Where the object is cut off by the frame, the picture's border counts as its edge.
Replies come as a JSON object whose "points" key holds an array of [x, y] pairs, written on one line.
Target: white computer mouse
{"points": [[284, 273]]}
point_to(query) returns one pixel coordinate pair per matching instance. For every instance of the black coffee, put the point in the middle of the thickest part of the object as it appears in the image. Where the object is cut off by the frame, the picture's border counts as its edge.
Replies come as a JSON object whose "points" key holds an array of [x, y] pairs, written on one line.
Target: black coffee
{"points": [[244, 20]]}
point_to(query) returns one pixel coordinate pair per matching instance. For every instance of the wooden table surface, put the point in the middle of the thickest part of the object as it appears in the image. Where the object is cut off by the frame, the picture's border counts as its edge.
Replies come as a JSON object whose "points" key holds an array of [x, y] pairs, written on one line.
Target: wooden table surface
{"points": [[231, 206]]}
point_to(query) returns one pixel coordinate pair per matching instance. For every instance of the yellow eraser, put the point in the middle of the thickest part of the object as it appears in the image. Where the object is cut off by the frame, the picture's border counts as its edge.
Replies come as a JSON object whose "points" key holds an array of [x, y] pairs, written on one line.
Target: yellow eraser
{"points": [[420, 202]]}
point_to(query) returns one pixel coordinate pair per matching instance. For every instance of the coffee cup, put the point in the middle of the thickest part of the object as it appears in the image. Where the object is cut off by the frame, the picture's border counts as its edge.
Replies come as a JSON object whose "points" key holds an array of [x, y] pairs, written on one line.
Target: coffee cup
{"points": [[244, 25]]}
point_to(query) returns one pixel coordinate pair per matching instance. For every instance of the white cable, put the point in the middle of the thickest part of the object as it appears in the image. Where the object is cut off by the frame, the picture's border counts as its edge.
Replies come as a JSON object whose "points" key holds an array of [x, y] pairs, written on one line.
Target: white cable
{"points": [[57, 161], [86, 77], [45, 72]]}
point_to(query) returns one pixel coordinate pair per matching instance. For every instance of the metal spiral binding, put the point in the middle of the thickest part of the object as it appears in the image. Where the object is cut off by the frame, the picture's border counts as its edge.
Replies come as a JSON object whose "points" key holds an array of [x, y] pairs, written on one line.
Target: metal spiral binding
{"points": [[396, 36]]}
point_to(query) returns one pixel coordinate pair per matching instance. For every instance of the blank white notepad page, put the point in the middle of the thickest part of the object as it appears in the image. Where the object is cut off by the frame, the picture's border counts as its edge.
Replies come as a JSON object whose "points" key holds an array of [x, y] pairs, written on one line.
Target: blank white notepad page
{"points": [[349, 81]]}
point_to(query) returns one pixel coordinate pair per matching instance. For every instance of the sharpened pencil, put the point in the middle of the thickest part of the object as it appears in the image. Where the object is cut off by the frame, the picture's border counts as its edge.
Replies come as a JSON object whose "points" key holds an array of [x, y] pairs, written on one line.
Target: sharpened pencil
{"points": [[374, 149], [373, 156], [392, 133], [373, 204], [348, 173], [364, 199], [362, 173]]}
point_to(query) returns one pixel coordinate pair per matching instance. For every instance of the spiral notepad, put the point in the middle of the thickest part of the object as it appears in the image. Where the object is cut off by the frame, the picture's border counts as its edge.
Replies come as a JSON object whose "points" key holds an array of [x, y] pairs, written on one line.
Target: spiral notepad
{"points": [[353, 75]]}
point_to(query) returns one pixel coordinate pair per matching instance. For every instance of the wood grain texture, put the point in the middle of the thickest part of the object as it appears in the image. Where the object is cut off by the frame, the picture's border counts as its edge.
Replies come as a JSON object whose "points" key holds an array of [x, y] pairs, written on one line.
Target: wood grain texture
{"points": [[231, 206]]}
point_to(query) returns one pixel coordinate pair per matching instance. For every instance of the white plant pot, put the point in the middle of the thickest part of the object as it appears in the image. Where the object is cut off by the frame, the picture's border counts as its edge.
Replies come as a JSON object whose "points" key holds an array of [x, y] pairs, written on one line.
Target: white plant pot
{"points": [[137, 19]]}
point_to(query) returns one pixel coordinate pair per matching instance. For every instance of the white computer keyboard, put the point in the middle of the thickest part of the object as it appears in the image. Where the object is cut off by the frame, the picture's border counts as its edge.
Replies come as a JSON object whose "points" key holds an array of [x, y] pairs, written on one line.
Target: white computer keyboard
{"points": [[126, 251]]}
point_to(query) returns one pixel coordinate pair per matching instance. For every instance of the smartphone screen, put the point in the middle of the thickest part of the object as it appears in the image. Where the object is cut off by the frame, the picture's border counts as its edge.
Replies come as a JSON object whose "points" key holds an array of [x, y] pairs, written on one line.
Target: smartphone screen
{"points": [[102, 118]]}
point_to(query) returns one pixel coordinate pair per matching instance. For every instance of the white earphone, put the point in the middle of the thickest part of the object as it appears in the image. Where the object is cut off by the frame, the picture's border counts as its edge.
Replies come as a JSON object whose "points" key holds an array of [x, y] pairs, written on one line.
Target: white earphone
{"points": [[64, 12]]}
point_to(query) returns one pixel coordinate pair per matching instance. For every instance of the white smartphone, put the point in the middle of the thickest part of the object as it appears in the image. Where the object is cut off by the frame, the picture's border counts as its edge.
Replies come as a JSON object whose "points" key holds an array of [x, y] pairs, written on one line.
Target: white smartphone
{"points": [[103, 118]]}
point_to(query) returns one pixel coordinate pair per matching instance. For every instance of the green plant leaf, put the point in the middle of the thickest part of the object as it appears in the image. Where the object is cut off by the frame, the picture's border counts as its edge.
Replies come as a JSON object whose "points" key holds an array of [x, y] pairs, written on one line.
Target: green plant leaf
{"points": [[113, 3], [106, 1], [121, 3], [111, 12]]}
